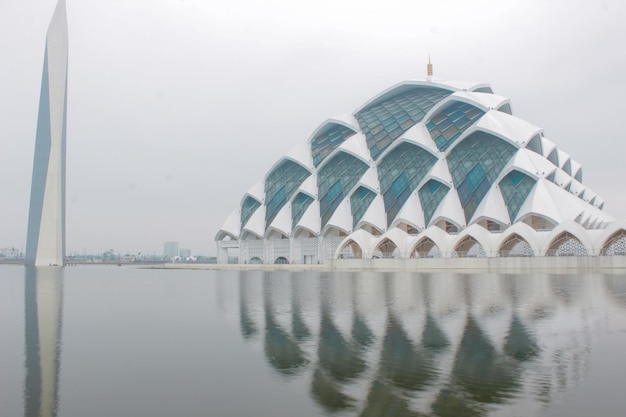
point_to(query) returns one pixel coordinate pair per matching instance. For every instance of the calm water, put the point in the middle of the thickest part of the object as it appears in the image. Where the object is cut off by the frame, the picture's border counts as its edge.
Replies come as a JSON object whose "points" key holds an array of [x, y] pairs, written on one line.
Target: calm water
{"points": [[109, 341]]}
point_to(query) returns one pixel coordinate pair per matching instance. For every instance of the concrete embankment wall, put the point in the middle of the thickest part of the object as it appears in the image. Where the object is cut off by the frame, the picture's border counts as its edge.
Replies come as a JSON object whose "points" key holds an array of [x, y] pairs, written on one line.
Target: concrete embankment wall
{"points": [[586, 263]]}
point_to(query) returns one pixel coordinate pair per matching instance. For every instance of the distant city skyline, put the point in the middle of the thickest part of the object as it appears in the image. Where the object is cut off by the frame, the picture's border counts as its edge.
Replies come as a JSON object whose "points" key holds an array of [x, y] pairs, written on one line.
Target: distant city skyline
{"points": [[176, 106]]}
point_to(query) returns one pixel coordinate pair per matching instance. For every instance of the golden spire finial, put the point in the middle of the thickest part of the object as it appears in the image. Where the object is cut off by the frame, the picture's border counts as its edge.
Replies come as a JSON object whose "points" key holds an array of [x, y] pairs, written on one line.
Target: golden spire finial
{"points": [[429, 69]]}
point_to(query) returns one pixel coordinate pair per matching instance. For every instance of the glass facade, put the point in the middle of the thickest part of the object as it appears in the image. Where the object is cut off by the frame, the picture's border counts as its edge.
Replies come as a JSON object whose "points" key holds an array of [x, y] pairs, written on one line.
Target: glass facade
{"points": [[384, 122], [280, 185], [450, 122], [515, 188], [248, 208], [360, 201], [431, 195], [298, 207], [400, 172], [335, 180], [475, 164], [329, 139]]}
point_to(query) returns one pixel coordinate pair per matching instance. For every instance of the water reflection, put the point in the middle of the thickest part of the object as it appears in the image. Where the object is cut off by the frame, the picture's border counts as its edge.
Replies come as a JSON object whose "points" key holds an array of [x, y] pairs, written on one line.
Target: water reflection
{"points": [[43, 316], [408, 344]]}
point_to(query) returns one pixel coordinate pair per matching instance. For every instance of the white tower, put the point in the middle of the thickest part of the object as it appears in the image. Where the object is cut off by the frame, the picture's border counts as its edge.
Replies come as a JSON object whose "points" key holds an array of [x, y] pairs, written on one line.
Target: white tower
{"points": [[45, 242]]}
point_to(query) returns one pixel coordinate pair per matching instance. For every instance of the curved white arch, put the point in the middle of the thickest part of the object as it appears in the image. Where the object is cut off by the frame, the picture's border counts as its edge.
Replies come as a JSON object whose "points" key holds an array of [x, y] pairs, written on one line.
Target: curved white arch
{"points": [[525, 232], [438, 236], [293, 158], [327, 125], [480, 235], [362, 238], [222, 234], [245, 233], [301, 229], [399, 238], [601, 239], [401, 88], [572, 228]]}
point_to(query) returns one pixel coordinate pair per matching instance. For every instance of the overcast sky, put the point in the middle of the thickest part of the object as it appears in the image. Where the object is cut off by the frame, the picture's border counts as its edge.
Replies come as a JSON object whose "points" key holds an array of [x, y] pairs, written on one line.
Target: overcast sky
{"points": [[177, 107]]}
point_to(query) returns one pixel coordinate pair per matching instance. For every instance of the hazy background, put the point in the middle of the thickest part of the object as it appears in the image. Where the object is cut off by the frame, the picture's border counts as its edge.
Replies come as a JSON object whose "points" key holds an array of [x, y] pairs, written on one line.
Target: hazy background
{"points": [[177, 107]]}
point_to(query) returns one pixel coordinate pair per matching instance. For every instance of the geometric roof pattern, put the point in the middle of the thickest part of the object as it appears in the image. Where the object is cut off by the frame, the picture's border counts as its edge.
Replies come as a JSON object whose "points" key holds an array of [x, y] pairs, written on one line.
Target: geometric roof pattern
{"points": [[423, 154]]}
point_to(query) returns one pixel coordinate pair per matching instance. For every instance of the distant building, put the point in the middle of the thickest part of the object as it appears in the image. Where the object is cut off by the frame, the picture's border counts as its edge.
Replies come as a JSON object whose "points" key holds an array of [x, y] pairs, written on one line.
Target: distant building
{"points": [[184, 253], [45, 241], [170, 249], [427, 168]]}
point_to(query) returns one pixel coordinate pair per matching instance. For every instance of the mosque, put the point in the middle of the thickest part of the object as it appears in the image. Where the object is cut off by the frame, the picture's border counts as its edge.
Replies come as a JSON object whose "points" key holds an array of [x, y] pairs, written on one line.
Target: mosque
{"points": [[425, 169]]}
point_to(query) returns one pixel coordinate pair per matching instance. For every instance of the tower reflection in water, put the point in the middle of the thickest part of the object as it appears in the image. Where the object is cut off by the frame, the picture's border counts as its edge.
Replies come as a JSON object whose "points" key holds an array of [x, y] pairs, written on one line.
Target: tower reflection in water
{"points": [[403, 344], [43, 317]]}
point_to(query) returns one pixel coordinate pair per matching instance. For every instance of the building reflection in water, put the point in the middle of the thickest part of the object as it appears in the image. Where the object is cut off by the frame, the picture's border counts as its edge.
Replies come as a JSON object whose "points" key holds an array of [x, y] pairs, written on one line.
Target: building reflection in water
{"points": [[43, 317], [405, 344]]}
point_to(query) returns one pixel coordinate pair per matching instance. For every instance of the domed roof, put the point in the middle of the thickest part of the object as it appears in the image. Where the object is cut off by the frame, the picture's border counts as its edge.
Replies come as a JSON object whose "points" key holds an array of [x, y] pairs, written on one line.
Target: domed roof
{"points": [[418, 155]]}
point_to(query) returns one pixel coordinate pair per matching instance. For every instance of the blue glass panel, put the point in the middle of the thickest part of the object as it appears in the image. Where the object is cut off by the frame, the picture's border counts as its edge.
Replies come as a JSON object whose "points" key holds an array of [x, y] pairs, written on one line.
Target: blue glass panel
{"points": [[450, 122], [515, 188], [475, 164], [298, 207], [335, 180], [383, 122], [248, 208], [431, 195], [329, 139], [359, 203], [400, 172], [280, 185]]}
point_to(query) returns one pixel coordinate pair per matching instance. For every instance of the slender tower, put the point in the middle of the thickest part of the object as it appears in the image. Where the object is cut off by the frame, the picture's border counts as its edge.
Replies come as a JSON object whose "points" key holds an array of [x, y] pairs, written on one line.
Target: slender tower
{"points": [[45, 242]]}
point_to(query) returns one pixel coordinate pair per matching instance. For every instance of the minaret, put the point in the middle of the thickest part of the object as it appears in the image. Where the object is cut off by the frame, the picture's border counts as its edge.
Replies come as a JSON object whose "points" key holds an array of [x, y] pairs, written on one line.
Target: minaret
{"points": [[429, 69], [45, 241]]}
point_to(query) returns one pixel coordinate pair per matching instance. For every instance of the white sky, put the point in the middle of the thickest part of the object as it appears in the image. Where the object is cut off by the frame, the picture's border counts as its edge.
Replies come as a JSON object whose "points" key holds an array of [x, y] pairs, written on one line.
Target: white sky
{"points": [[177, 107]]}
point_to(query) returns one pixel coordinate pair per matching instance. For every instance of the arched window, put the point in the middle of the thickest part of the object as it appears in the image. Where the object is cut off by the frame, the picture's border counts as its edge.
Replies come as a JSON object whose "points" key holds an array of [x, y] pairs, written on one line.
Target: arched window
{"points": [[351, 250], [387, 249], [426, 248], [615, 245], [469, 247], [566, 244], [515, 246]]}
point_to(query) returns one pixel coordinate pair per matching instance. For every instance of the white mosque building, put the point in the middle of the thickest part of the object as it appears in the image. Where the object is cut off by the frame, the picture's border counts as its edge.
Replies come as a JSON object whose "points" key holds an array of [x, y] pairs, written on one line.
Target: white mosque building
{"points": [[427, 168]]}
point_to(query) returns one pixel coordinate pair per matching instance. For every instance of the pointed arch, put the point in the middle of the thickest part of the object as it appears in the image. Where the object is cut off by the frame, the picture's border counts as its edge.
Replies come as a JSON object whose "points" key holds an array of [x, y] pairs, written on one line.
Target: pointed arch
{"points": [[350, 250], [615, 244], [566, 244], [515, 246], [369, 228], [387, 248], [469, 247], [426, 248], [538, 222]]}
